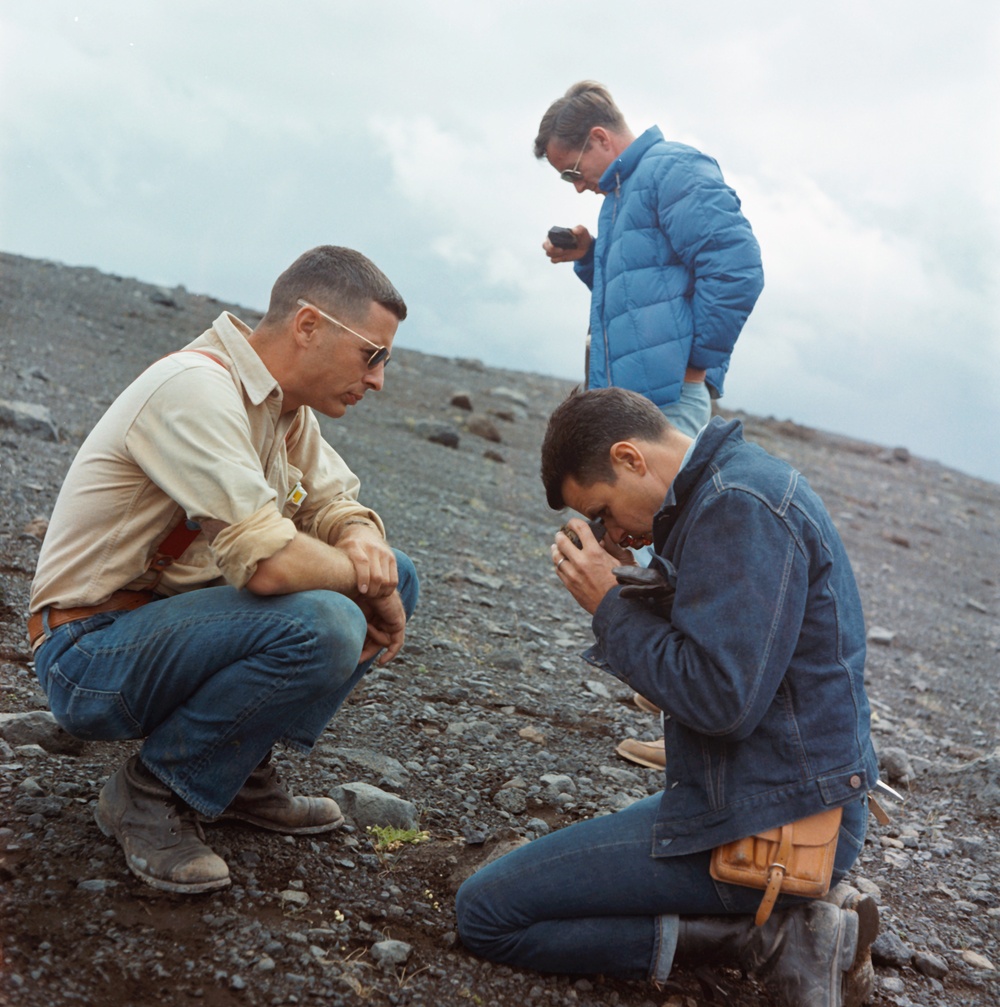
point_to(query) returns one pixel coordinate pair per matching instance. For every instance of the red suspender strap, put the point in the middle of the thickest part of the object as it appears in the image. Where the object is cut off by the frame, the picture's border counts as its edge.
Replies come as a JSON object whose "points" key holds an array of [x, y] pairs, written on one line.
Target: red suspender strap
{"points": [[184, 532], [174, 545]]}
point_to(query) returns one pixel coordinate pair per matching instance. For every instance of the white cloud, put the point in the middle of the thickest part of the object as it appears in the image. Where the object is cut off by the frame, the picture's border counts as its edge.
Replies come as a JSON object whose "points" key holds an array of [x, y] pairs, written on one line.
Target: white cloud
{"points": [[210, 143]]}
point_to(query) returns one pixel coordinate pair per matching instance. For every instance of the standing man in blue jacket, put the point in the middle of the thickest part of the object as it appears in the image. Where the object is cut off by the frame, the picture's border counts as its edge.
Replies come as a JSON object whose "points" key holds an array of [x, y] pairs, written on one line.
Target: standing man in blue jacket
{"points": [[674, 270]]}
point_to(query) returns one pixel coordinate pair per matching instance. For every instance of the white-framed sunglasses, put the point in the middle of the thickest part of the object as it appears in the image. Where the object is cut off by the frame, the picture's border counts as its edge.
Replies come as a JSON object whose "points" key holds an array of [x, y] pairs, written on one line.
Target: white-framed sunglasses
{"points": [[574, 174], [381, 354]]}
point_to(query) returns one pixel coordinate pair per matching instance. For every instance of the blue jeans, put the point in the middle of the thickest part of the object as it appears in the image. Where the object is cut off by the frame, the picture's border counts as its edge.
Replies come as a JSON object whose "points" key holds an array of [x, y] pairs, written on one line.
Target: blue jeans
{"points": [[692, 410], [211, 679], [590, 899]]}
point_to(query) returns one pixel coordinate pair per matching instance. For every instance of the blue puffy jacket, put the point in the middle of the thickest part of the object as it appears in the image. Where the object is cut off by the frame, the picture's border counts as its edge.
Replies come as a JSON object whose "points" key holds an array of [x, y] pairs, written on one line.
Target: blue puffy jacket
{"points": [[675, 271]]}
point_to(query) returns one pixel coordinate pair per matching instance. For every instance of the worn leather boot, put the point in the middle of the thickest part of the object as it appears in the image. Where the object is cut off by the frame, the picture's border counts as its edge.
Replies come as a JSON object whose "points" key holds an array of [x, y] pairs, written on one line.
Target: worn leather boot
{"points": [[162, 839], [801, 954], [264, 802], [859, 983]]}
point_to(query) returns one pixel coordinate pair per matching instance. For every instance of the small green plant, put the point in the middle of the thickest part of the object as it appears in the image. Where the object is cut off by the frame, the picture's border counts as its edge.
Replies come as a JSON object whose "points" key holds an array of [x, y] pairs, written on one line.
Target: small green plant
{"points": [[389, 839]]}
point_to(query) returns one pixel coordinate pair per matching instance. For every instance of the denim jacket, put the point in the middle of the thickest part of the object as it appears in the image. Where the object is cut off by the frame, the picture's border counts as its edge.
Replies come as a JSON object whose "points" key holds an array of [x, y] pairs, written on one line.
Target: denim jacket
{"points": [[759, 664]]}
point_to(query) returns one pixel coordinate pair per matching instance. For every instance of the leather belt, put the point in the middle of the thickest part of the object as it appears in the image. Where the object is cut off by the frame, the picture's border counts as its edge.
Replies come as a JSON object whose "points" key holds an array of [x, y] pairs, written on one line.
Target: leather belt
{"points": [[120, 601]]}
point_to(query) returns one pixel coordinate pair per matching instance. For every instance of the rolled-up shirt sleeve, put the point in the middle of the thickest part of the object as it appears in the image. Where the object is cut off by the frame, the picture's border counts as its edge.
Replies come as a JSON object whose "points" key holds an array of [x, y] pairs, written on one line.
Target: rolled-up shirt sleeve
{"points": [[239, 548], [331, 487]]}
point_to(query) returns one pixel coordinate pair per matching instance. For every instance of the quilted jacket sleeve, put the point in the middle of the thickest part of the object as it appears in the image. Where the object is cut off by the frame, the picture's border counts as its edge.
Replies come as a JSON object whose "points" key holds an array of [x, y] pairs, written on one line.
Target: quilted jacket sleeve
{"points": [[701, 217]]}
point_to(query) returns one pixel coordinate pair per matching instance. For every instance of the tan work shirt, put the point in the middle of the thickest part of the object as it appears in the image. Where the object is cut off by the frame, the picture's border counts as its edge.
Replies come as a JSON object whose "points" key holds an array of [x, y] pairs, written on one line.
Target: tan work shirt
{"points": [[192, 438]]}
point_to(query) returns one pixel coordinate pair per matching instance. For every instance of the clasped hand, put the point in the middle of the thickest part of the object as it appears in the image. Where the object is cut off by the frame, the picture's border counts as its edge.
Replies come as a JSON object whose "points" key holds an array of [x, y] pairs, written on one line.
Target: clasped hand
{"points": [[373, 560]]}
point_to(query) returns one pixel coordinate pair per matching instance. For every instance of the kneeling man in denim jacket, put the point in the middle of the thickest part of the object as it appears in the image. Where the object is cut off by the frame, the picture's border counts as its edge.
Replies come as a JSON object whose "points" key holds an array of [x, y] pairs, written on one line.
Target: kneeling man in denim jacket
{"points": [[754, 649]]}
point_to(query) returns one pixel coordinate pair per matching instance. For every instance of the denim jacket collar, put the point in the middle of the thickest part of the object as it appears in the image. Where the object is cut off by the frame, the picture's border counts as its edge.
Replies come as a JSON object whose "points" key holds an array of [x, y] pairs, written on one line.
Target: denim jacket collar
{"points": [[713, 438]]}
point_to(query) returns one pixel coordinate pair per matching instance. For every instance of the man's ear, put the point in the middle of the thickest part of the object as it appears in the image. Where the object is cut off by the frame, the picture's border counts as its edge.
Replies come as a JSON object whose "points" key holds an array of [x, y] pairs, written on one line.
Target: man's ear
{"points": [[626, 456], [305, 325], [600, 137]]}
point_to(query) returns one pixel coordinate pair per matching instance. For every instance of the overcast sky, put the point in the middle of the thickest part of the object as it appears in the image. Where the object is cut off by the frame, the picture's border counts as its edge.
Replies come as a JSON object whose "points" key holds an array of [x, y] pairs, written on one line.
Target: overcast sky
{"points": [[208, 144]]}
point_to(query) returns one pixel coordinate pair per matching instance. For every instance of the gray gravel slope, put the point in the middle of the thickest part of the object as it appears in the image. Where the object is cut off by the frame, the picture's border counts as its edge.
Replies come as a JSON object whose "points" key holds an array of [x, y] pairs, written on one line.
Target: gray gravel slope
{"points": [[489, 723]]}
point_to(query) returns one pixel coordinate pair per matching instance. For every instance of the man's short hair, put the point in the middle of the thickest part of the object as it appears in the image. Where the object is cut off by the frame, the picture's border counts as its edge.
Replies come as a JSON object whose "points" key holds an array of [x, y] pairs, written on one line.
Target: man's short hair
{"points": [[570, 119], [339, 280], [582, 430]]}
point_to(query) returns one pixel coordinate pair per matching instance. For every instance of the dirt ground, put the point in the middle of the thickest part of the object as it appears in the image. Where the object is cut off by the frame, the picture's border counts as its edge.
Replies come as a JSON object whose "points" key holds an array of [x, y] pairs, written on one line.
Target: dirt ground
{"points": [[490, 691]]}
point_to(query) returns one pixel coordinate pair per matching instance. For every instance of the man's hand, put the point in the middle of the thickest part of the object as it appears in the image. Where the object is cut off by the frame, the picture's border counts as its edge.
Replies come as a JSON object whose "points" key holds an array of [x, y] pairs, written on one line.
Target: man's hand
{"points": [[386, 626], [583, 243], [374, 562], [587, 572]]}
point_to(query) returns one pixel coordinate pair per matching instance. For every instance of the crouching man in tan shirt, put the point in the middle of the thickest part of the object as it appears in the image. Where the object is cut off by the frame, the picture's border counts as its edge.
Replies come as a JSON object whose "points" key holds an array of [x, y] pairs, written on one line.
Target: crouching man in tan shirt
{"points": [[209, 581]]}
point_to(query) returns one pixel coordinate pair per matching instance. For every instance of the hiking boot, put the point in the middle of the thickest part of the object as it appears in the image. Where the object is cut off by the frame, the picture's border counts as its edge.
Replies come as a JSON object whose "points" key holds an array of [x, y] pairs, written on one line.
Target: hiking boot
{"points": [[860, 978], [644, 753], [162, 839], [802, 954], [264, 802]]}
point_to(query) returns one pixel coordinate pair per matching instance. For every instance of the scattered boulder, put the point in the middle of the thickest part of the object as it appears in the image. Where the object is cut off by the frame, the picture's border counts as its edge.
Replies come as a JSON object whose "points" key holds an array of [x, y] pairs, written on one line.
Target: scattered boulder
{"points": [[28, 418], [895, 763], [889, 949], [519, 398], [510, 800], [389, 954], [437, 433], [482, 426], [883, 637], [38, 727], [366, 805], [978, 782]]}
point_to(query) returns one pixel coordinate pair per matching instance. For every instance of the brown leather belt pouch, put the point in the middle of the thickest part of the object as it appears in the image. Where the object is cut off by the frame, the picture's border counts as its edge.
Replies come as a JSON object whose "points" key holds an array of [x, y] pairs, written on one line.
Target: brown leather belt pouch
{"points": [[795, 858]]}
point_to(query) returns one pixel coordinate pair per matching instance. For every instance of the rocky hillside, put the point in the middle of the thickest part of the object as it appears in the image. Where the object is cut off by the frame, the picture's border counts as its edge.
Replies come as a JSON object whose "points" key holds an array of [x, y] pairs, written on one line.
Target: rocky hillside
{"points": [[488, 729]]}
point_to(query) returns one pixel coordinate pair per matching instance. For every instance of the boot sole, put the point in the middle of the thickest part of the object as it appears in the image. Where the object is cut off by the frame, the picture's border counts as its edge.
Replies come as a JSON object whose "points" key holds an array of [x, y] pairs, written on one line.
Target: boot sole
{"points": [[271, 826], [154, 882]]}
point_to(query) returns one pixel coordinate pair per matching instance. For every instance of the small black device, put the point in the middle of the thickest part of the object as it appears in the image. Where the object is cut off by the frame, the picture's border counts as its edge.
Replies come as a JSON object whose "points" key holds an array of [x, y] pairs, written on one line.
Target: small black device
{"points": [[597, 527], [562, 237]]}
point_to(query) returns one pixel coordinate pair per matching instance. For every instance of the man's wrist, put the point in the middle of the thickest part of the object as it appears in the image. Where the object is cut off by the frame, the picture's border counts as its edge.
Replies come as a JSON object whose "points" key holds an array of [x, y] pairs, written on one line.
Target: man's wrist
{"points": [[363, 521]]}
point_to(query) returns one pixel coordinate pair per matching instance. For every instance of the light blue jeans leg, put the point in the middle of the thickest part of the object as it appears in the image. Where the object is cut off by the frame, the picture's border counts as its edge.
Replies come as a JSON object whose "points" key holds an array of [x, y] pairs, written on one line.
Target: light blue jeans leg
{"points": [[211, 679], [692, 410]]}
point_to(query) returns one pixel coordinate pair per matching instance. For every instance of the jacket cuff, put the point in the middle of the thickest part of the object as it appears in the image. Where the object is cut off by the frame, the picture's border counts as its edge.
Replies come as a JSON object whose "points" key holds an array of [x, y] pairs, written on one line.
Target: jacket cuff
{"points": [[608, 613]]}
